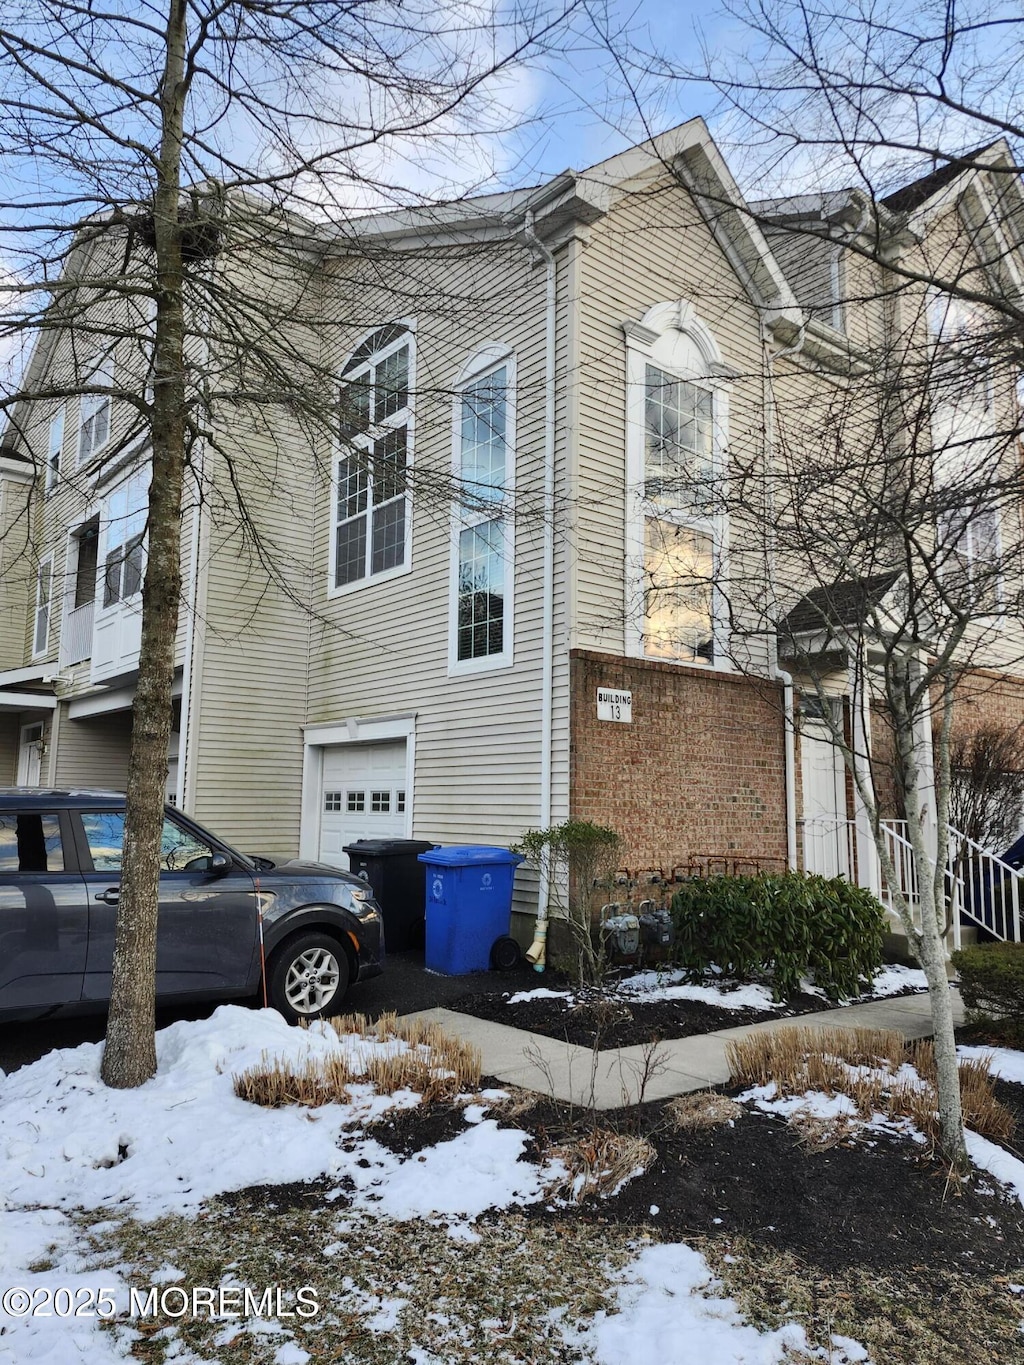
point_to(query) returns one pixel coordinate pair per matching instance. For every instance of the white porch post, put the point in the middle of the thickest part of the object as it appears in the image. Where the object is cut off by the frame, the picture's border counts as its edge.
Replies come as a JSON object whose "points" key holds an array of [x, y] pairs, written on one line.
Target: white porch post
{"points": [[869, 872]]}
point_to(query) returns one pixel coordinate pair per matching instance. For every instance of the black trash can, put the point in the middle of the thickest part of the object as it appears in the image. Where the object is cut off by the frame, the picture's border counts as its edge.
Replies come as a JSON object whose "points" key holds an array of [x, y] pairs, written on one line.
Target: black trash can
{"points": [[391, 868]]}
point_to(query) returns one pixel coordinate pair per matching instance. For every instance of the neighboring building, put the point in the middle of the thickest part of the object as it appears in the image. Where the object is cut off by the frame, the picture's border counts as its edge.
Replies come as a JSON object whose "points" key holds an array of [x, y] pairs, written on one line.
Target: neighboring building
{"points": [[417, 668]]}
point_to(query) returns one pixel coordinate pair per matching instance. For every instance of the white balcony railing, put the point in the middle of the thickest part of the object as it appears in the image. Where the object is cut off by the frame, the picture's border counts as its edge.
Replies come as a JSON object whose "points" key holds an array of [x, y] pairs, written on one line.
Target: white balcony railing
{"points": [[76, 635]]}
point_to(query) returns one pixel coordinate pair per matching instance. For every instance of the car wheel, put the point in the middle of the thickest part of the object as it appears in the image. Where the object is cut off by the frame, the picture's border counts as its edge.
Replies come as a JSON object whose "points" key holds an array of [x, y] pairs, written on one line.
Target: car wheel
{"points": [[308, 977]]}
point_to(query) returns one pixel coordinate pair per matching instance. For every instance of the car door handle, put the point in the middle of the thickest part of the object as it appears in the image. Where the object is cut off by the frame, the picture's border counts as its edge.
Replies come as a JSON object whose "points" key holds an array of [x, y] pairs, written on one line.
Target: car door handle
{"points": [[109, 897]]}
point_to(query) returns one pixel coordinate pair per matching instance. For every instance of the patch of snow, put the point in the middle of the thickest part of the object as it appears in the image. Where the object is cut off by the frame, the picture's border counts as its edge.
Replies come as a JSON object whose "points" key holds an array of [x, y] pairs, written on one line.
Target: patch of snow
{"points": [[291, 1353], [893, 979], [672, 985], [541, 993], [997, 1162], [1005, 1062], [670, 1309]]}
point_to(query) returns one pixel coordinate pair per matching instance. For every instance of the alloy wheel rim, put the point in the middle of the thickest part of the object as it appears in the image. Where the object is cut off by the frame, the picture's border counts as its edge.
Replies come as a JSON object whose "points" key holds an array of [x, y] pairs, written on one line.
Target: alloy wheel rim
{"points": [[312, 980]]}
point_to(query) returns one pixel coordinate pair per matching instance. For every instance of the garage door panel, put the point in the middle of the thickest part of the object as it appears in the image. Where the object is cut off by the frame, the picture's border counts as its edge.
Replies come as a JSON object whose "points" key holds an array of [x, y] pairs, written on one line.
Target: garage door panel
{"points": [[363, 796]]}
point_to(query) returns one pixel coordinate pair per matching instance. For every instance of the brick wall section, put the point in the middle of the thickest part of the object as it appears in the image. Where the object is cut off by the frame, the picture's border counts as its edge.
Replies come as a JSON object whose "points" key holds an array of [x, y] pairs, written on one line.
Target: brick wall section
{"points": [[700, 771]]}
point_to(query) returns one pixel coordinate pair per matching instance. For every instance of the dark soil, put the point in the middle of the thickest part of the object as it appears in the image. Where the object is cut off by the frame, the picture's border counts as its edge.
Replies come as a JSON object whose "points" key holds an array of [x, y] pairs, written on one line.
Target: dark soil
{"points": [[877, 1202], [610, 1021]]}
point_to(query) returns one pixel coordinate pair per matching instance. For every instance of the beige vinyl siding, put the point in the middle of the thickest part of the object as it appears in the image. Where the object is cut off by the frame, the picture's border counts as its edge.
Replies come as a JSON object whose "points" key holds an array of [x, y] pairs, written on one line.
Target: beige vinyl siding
{"points": [[17, 574], [93, 752], [9, 739], [249, 668], [653, 247], [381, 649]]}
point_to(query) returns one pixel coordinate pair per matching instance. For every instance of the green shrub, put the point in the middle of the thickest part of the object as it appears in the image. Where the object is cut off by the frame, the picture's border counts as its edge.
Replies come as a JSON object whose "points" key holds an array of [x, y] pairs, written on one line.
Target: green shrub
{"points": [[786, 925], [992, 985]]}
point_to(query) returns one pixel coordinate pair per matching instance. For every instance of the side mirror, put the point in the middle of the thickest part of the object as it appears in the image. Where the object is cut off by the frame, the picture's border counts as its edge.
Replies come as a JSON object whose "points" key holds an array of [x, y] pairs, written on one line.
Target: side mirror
{"points": [[220, 863]]}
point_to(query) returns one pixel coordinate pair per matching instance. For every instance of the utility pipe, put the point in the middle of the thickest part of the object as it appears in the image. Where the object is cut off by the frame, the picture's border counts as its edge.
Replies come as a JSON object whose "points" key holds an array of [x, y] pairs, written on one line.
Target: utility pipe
{"points": [[537, 952]]}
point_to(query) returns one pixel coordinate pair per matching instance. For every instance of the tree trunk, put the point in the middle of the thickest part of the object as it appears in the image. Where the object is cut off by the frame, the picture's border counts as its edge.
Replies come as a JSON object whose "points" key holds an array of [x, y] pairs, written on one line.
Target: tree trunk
{"points": [[129, 1054]]}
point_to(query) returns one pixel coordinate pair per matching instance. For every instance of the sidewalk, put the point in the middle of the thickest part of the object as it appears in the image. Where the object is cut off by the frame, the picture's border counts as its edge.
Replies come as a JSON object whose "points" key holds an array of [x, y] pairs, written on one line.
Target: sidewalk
{"points": [[614, 1079]]}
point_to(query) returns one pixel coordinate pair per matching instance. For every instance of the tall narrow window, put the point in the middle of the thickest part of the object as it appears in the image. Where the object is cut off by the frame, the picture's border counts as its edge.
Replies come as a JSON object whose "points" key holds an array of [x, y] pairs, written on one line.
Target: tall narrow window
{"points": [[124, 554], [677, 410], [55, 446], [483, 561], [94, 412], [88, 538], [44, 596], [679, 495], [371, 497]]}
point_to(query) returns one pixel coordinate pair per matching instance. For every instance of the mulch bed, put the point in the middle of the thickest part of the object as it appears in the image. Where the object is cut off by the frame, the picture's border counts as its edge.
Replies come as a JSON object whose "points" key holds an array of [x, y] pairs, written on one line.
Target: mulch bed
{"points": [[611, 1021], [874, 1201]]}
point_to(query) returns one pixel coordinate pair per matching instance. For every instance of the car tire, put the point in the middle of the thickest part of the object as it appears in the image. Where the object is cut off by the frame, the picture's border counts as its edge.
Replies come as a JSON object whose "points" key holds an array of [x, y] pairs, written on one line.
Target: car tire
{"points": [[307, 977], [506, 954]]}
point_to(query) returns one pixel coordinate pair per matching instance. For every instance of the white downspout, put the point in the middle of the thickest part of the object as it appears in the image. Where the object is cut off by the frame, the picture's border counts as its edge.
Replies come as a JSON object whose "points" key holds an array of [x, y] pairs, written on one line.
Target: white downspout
{"points": [[537, 951], [788, 694], [190, 628]]}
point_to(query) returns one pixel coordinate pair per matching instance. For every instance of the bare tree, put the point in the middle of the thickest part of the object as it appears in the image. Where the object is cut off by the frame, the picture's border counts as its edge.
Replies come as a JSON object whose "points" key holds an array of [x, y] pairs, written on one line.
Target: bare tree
{"points": [[879, 151], [178, 178]]}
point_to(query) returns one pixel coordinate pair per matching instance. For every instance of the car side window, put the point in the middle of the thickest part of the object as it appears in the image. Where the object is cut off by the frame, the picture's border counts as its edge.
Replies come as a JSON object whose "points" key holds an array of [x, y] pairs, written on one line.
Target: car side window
{"points": [[30, 842], [104, 833]]}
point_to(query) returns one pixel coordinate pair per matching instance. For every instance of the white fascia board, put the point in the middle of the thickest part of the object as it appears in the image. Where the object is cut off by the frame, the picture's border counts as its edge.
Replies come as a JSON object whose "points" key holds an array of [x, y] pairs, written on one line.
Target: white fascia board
{"points": [[737, 233], [17, 471], [27, 701], [33, 673], [356, 730]]}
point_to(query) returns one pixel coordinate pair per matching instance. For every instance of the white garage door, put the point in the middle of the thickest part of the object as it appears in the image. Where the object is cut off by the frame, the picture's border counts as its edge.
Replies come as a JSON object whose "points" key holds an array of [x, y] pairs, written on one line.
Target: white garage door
{"points": [[363, 796]]}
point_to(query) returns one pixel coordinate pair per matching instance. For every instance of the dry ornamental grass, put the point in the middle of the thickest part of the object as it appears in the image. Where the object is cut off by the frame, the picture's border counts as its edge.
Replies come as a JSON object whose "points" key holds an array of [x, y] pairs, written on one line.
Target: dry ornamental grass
{"points": [[422, 1058], [875, 1068]]}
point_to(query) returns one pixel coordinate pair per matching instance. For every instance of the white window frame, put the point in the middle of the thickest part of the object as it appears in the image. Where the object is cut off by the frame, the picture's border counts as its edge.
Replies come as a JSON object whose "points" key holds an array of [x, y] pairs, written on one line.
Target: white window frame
{"points": [[55, 447], [90, 405], [487, 360], [966, 538], [117, 534], [44, 608], [405, 417], [704, 369]]}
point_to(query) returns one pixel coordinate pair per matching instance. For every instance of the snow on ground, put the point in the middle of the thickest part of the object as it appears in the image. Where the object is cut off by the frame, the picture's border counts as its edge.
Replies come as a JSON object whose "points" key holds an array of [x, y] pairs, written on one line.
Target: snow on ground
{"points": [[997, 1162], [675, 984], [69, 1142], [669, 1311], [1005, 1062]]}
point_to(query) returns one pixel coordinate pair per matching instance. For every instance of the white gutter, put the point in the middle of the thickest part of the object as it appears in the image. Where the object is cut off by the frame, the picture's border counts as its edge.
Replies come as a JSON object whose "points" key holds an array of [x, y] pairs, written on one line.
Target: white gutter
{"points": [[788, 695], [536, 953]]}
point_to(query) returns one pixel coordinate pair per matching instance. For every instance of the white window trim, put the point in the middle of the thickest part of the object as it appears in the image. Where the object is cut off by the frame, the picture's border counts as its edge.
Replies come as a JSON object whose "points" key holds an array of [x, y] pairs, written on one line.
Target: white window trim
{"points": [[102, 373], [405, 417], [354, 730], [40, 651], [483, 362], [53, 469], [640, 342]]}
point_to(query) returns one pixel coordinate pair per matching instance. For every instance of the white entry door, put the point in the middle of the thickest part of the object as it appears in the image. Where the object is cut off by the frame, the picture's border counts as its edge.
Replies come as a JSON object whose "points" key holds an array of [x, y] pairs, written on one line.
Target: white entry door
{"points": [[363, 796], [30, 754], [826, 824]]}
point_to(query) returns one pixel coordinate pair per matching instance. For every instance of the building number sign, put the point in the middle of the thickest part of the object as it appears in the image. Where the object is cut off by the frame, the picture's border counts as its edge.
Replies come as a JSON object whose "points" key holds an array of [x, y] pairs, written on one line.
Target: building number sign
{"points": [[614, 705]]}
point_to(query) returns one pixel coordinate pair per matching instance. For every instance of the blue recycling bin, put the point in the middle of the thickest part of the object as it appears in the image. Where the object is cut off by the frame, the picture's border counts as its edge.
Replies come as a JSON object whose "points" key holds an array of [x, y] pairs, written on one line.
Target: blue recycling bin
{"points": [[469, 905]]}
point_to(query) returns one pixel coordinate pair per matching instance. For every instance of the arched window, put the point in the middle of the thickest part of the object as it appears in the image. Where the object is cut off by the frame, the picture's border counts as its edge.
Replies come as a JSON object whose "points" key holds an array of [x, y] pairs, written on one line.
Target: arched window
{"points": [[371, 512], [677, 423]]}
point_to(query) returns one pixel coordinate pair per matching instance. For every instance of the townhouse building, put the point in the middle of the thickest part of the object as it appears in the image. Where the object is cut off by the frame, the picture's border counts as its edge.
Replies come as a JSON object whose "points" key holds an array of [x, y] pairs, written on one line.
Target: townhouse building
{"points": [[576, 633]]}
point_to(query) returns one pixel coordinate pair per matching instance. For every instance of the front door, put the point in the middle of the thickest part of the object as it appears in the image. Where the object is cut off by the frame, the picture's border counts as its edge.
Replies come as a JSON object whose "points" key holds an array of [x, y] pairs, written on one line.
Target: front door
{"points": [[30, 754], [826, 822], [206, 930]]}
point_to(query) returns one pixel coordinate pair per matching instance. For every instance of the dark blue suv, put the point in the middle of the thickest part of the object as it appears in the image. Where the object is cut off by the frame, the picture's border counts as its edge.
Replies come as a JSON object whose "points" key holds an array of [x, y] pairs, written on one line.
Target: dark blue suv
{"points": [[60, 868]]}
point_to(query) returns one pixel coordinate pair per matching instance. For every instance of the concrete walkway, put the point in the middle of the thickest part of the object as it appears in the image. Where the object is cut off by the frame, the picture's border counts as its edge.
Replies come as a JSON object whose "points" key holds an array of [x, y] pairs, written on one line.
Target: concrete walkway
{"points": [[621, 1076]]}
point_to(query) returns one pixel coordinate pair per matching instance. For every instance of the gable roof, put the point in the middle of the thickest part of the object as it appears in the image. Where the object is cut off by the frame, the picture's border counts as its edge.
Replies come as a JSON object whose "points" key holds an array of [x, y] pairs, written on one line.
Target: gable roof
{"points": [[847, 602], [919, 191]]}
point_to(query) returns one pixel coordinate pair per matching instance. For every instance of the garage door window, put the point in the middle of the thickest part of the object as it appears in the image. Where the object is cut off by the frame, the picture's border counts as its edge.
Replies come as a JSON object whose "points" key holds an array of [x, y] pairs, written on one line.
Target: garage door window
{"points": [[356, 801]]}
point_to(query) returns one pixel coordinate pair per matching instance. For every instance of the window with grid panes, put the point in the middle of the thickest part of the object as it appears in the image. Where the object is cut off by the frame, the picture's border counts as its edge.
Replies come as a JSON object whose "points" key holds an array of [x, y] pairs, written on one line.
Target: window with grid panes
{"points": [[371, 499], [678, 496], [484, 472]]}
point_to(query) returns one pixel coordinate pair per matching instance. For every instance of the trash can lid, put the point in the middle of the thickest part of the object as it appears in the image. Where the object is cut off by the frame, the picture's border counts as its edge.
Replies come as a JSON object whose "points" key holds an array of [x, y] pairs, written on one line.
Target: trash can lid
{"points": [[464, 855], [382, 847]]}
